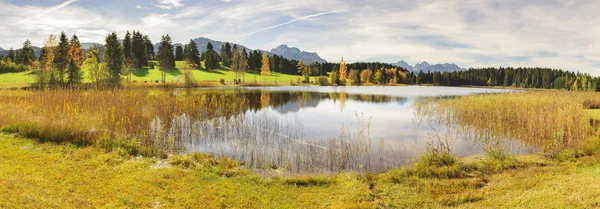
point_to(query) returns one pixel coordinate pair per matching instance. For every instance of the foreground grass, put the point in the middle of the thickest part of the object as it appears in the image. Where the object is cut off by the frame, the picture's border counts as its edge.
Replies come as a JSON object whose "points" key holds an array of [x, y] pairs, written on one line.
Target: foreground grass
{"points": [[47, 175]]}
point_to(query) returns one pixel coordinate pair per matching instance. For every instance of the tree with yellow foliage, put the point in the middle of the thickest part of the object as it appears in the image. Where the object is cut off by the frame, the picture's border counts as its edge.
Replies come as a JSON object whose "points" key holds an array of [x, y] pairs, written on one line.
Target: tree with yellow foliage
{"points": [[265, 68], [343, 71]]}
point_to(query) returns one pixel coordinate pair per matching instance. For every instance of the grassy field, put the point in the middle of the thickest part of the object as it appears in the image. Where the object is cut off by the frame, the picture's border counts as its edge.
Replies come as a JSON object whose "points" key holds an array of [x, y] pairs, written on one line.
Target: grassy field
{"points": [[48, 175], [146, 74]]}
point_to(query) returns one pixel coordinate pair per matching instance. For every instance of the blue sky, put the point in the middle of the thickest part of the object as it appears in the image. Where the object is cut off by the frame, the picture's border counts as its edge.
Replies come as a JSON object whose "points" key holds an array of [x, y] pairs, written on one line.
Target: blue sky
{"points": [[471, 33]]}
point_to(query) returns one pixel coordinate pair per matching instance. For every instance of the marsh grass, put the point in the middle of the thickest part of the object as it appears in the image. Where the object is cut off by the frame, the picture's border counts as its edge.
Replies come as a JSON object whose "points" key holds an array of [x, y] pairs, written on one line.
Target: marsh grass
{"points": [[109, 118], [550, 121]]}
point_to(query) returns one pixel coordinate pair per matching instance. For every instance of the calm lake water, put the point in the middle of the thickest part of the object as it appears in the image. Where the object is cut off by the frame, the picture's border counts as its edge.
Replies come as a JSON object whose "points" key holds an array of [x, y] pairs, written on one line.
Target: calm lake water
{"points": [[385, 118]]}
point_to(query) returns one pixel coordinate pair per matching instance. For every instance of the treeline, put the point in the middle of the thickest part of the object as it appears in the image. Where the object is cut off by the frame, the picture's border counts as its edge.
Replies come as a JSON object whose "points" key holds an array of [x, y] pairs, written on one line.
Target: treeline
{"points": [[18, 60], [544, 78], [63, 61]]}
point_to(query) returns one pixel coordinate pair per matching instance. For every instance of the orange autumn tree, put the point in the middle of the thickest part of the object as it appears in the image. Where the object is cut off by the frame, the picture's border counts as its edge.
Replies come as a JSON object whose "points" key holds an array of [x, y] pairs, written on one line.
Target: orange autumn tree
{"points": [[75, 61]]}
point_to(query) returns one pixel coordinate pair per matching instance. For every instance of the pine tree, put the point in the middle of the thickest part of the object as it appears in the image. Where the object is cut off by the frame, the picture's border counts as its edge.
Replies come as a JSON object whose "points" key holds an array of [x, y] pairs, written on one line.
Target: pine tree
{"points": [[12, 55], [186, 51], [149, 48], [74, 72], [27, 53], [265, 68], [179, 53], [193, 54], [62, 57], [165, 56], [211, 58], [114, 58], [127, 46], [138, 50], [226, 54]]}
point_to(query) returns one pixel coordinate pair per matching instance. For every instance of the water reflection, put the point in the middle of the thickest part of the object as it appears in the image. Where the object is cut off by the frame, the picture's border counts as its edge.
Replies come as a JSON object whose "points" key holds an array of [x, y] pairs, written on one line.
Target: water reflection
{"points": [[311, 127]]}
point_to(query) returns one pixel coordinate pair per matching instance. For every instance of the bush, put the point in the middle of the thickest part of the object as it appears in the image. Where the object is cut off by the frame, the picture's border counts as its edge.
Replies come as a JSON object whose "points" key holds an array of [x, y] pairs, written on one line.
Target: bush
{"points": [[190, 81], [11, 67], [323, 81], [222, 81]]}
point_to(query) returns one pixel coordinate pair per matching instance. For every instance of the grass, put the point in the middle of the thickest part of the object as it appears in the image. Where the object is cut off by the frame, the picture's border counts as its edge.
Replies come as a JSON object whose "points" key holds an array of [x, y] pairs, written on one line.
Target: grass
{"points": [[49, 175], [149, 75]]}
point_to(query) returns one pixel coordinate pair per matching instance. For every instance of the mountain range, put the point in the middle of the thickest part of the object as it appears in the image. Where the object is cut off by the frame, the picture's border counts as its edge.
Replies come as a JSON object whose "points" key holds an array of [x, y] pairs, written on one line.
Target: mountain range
{"points": [[426, 67]]}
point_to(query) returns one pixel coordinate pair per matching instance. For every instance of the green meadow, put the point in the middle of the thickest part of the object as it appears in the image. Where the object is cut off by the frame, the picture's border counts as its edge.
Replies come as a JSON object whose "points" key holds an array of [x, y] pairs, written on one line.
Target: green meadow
{"points": [[175, 75]]}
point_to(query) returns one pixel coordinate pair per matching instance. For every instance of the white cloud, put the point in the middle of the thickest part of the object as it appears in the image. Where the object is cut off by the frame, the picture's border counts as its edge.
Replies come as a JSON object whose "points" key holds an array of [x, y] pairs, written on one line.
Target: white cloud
{"points": [[472, 33], [292, 21], [167, 4], [45, 12]]}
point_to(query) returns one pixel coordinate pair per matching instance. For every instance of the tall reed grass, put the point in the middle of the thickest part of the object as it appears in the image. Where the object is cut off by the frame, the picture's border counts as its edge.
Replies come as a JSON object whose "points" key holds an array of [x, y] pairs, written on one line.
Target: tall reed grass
{"points": [[547, 120], [118, 118]]}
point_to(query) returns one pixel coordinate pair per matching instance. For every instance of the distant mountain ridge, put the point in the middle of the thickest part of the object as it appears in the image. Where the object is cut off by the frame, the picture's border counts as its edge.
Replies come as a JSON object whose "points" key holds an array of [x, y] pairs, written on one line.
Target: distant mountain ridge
{"points": [[294, 53], [426, 67]]}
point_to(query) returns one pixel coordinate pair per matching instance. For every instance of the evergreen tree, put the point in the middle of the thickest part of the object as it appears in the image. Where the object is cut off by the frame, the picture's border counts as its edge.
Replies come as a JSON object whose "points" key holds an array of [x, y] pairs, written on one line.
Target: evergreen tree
{"points": [[127, 46], [27, 53], [114, 58], [139, 50], [11, 55], [226, 54], [179, 53], [149, 48], [62, 56], [211, 58], [74, 72], [165, 56], [186, 51], [193, 54]]}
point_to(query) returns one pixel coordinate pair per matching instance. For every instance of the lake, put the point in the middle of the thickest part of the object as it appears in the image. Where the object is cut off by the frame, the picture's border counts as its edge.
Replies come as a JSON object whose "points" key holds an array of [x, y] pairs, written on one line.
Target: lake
{"points": [[326, 129]]}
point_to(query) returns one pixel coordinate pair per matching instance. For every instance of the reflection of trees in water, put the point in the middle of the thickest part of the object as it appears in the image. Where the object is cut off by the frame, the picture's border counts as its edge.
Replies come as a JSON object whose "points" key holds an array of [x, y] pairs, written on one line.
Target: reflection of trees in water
{"points": [[284, 102]]}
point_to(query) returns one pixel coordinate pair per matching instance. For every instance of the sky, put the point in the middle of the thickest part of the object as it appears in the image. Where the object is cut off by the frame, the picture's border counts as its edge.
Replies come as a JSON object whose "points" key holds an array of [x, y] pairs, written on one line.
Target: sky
{"points": [[561, 34]]}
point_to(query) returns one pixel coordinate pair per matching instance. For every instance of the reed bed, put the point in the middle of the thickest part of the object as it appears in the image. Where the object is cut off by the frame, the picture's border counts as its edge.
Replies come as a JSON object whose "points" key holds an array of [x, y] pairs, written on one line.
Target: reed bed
{"points": [[547, 120], [119, 118], [224, 122]]}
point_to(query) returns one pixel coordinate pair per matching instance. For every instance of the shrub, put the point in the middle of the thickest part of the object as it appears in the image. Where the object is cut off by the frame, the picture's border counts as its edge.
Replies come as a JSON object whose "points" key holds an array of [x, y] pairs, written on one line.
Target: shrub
{"points": [[11, 67], [323, 81], [222, 81]]}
